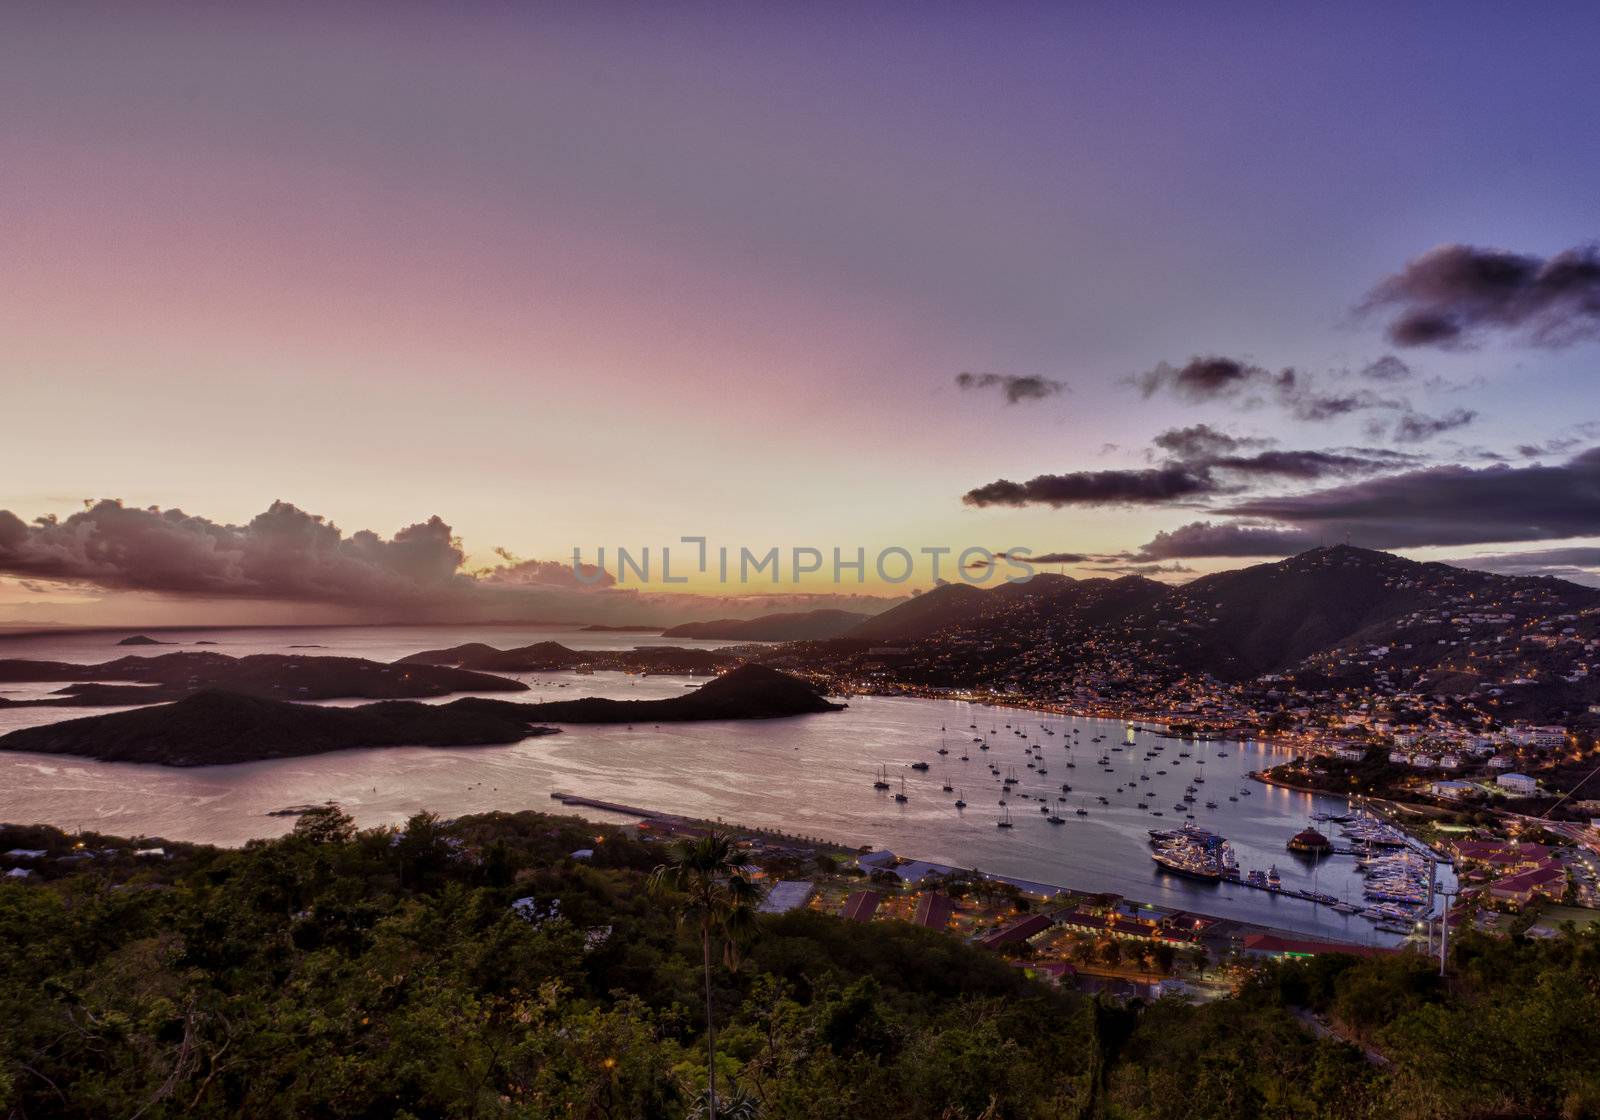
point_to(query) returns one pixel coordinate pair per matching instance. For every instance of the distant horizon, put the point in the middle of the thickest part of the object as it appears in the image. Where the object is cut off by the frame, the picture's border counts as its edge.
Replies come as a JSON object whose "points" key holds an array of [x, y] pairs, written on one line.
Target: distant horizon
{"points": [[762, 605]]}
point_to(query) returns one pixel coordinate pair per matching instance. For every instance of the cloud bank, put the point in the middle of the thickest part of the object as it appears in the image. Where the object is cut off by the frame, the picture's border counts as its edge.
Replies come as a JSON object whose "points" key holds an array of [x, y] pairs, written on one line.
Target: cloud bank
{"points": [[286, 555], [1459, 295], [1438, 506]]}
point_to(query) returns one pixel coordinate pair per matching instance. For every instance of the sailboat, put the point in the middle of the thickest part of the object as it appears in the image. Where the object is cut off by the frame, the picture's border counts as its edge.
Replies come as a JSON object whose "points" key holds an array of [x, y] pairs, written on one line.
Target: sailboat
{"points": [[1083, 810], [901, 796], [1005, 819], [947, 786], [882, 781], [961, 802]]}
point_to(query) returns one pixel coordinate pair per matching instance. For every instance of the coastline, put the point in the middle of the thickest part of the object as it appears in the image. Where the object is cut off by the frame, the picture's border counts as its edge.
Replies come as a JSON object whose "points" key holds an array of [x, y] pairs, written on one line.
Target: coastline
{"points": [[1235, 927]]}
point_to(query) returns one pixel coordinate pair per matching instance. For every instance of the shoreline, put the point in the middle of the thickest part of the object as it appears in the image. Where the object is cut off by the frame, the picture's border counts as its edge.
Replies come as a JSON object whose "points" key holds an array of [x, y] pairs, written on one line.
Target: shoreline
{"points": [[1237, 926]]}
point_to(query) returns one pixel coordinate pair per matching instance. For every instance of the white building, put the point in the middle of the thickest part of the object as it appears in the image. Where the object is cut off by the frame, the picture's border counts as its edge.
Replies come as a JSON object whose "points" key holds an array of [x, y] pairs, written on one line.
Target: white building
{"points": [[1517, 783], [1545, 737]]}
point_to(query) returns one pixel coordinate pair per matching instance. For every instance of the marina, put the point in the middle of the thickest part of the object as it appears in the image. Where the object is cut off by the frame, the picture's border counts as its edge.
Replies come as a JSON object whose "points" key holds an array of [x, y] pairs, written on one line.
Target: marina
{"points": [[812, 775]]}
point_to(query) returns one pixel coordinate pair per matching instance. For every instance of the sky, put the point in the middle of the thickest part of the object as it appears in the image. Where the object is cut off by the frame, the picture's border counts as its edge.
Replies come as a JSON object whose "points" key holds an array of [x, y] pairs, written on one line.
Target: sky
{"points": [[561, 276]]}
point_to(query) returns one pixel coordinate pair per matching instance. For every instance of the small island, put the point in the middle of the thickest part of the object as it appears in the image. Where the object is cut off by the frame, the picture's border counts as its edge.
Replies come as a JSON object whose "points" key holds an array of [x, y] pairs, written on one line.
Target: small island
{"points": [[174, 676], [213, 726], [553, 656]]}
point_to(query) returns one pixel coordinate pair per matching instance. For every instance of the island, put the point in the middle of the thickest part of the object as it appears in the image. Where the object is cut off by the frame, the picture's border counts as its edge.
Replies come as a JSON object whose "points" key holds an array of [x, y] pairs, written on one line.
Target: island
{"points": [[791, 626], [174, 676], [142, 640], [215, 726], [551, 656]]}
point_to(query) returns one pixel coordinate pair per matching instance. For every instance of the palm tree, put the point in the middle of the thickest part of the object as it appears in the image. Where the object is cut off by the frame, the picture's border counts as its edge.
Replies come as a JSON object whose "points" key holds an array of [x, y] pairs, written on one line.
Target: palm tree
{"points": [[717, 894]]}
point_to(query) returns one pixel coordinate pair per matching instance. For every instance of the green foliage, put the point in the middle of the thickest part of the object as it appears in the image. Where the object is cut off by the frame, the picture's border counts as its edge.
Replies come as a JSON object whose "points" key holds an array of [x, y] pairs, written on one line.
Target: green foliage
{"points": [[336, 973]]}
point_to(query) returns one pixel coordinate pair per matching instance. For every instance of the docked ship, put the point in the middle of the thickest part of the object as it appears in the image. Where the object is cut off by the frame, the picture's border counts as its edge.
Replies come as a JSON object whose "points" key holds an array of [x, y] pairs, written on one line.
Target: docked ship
{"points": [[1195, 853]]}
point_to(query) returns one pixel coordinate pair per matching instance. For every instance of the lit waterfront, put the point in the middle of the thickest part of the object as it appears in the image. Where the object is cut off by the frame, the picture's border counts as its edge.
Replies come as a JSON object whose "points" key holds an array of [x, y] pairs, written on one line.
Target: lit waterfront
{"points": [[811, 776]]}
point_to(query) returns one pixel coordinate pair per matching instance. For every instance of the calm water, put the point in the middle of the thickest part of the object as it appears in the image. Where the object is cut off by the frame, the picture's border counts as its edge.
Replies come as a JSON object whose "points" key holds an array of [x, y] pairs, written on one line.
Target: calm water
{"points": [[811, 775]]}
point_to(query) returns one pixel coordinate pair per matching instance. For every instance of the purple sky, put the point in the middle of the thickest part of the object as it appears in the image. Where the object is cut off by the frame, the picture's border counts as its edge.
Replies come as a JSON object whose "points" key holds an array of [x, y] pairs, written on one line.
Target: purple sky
{"points": [[572, 275]]}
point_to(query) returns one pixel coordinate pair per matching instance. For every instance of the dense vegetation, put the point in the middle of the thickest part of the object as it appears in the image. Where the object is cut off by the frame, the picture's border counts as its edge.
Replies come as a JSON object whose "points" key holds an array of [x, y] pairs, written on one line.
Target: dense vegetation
{"points": [[387, 973]]}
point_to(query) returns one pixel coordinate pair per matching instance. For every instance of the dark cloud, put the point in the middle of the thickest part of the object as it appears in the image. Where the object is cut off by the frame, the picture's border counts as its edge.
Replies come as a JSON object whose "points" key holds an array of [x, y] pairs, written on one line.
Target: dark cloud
{"points": [[1207, 538], [1580, 564], [1548, 447], [1029, 558], [1015, 388], [1214, 378], [1173, 482], [1388, 369], [516, 572], [284, 553], [1202, 441], [1202, 446], [1414, 427], [1447, 505], [1192, 473], [1303, 465], [1206, 378], [289, 556], [1173, 568], [1456, 295], [1556, 445], [1311, 406]]}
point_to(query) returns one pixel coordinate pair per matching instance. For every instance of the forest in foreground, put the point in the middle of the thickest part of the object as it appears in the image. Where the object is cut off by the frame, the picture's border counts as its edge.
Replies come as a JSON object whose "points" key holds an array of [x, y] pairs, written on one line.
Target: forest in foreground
{"points": [[474, 969]]}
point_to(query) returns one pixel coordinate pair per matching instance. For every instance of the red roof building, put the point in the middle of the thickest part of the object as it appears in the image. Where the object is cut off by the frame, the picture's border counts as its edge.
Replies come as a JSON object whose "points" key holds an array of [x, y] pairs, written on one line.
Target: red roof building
{"points": [[934, 911], [1272, 945], [1017, 932], [860, 906], [1501, 854], [1548, 879]]}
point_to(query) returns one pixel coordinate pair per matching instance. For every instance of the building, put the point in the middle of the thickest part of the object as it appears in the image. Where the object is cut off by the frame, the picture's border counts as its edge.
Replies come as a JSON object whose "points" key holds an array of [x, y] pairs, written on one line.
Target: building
{"points": [[934, 911], [1017, 932], [786, 895], [1271, 946], [1543, 737], [1452, 789], [1502, 855], [860, 906], [1548, 880], [875, 861], [1519, 784]]}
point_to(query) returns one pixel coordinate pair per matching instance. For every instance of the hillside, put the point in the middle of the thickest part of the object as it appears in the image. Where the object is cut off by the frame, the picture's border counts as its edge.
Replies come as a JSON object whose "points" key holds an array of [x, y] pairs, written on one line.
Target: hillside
{"points": [[473, 967], [1337, 616], [946, 605], [791, 626]]}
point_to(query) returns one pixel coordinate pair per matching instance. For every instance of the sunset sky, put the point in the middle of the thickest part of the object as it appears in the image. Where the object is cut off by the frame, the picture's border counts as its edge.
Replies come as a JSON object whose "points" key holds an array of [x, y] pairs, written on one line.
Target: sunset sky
{"points": [[579, 274]]}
